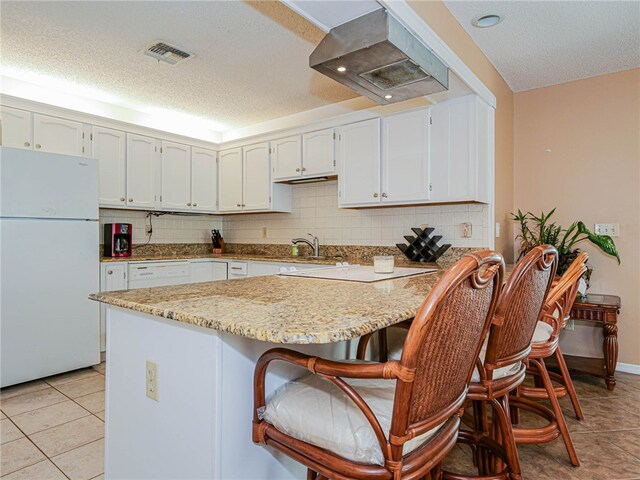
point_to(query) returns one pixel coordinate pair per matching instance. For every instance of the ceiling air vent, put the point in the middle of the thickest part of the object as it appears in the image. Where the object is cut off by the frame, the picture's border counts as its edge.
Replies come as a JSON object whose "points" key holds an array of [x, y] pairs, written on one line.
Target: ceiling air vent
{"points": [[167, 53]]}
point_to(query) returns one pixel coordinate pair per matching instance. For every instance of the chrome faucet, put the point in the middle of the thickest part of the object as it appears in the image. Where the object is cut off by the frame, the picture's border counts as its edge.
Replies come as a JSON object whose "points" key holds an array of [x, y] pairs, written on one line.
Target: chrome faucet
{"points": [[315, 245]]}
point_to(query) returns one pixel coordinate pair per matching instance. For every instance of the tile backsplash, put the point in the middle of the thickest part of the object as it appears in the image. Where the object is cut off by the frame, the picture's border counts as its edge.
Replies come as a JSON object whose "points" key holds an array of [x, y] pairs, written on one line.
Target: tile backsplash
{"points": [[166, 228], [315, 210]]}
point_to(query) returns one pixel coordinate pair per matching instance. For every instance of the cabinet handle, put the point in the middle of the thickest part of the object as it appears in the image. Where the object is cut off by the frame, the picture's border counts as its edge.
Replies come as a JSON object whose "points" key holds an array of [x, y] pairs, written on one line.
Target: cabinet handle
{"points": [[297, 169], [27, 144], [375, 195], [109, 272], [384, 195], [243, 205], [304, 169], [195, 204], [38, 146], [122, 199], [189, 204], [430, 187], [131, 199]]}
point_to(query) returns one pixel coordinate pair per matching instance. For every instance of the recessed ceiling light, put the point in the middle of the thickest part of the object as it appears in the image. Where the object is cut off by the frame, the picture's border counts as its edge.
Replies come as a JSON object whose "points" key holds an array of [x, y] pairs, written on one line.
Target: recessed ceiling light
{"points": [[486, 21], [388, 96], [342, 69]]}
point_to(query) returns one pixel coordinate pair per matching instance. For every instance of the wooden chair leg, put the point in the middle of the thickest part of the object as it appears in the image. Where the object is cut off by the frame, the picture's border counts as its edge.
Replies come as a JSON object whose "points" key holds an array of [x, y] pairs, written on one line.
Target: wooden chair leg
{"points": [[568, 384], [501, 415], [557, 410], [514, 411], [311, 475]]}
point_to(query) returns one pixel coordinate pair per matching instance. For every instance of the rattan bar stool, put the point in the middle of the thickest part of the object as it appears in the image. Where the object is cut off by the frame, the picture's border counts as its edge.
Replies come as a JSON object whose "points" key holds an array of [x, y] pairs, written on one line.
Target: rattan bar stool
{"points": [[393, 420], [545, 345]]}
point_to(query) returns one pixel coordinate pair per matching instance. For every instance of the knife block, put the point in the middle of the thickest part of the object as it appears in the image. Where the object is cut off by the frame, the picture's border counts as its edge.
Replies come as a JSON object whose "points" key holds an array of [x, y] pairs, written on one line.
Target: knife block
{"points": [[424, 246]]}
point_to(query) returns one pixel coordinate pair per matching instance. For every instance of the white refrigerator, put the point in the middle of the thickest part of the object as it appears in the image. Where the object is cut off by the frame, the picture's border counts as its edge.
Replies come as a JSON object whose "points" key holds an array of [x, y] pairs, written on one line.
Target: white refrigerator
{"points": [[48, 264]]}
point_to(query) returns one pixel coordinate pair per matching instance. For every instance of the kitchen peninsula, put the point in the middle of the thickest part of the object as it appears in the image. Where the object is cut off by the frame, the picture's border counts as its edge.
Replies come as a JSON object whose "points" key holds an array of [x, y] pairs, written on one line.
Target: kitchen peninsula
{"points": [[204, 340]]}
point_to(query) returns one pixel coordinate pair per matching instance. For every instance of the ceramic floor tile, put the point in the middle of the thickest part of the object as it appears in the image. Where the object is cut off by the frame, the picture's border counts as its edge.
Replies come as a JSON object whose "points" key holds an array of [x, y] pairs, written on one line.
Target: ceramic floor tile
{"points": [[99, 477], [100, 368], [17, 455], [94, 402], [538, 464], [2, 415], [8, 431], [32, 401], [47, 417], [627, 440], [71, 376], [21, 389], [100, 415], [82, 463], [83, 387], [40, 471], [68, 436]]}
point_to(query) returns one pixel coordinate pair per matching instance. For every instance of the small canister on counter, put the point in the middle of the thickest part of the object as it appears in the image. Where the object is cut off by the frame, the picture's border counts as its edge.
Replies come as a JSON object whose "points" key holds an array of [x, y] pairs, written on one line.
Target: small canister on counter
{"points": [[383, 264]]}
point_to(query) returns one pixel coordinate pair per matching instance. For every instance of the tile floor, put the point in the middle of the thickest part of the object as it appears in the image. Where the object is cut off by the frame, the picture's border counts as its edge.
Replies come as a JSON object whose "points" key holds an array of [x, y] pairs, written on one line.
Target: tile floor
{"points": [[54, 429]]}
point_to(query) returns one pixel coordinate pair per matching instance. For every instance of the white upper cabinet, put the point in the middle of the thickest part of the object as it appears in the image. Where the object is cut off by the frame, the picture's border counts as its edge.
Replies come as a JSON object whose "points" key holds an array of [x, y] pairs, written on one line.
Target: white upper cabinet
{"points": [[405, 157], [359, 163], [286, 156], [460, 150], [109, 147], [230, 180], [204, 186], [15, 126], [256, 187], [55, 135], [318, 153], [176, 176], [142, 171]]}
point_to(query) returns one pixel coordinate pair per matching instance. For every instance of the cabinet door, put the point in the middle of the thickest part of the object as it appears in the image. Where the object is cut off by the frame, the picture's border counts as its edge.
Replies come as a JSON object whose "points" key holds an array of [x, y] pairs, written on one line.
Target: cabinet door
{"points": [[55, 135], [176, 176], [359, 163], [201, 271], [230, 180], [256, 187], [142, 160], [318, 153], [286, 156], [16, 128], [204, 186], [109, 147], [219, 271], [452, 154], [114, 277], [405, 157]]}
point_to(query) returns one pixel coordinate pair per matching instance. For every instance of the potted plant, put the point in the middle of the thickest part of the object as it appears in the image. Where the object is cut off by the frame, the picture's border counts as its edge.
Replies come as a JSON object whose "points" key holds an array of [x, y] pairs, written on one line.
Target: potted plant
{"points": [[539, 230]]}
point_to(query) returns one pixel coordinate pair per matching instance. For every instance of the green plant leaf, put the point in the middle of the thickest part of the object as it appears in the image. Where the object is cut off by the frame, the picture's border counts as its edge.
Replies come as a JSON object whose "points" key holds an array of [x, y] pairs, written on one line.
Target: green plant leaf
{"points": [[603, 242]]}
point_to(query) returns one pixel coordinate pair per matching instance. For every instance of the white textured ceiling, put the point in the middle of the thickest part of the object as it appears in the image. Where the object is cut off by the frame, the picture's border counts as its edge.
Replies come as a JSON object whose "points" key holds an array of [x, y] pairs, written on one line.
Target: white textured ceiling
{"points": [[542, 43], [251, 63]]}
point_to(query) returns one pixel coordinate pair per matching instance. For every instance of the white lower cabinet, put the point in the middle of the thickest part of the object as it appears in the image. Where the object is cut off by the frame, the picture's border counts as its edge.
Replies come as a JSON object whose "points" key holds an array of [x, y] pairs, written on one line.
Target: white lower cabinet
{"points": [[113, 276], [205, 270]]}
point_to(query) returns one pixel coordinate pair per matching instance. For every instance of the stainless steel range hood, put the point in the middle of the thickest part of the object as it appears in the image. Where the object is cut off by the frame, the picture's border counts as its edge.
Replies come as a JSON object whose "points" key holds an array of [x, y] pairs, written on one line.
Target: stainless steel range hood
{"points": [[379, 58]]}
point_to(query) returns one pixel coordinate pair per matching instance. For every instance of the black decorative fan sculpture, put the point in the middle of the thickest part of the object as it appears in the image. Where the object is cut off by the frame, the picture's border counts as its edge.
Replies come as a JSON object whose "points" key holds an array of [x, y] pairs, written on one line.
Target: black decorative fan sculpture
{"points": [[423, 247]]}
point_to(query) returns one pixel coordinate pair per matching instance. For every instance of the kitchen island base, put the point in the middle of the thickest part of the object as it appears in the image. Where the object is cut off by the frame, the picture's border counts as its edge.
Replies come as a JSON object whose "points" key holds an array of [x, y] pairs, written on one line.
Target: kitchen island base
{"points": [[200, 426]]}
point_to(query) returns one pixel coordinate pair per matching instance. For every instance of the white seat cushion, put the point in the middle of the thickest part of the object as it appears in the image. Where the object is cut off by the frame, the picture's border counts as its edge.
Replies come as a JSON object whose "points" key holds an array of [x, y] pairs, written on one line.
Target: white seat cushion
{"points": [[314, 410], [543, 332], [396, 343]]}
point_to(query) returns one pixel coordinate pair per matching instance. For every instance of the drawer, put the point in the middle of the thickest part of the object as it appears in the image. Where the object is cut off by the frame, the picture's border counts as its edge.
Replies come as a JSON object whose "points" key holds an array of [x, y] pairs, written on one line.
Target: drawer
{"points": [[238, 269]]}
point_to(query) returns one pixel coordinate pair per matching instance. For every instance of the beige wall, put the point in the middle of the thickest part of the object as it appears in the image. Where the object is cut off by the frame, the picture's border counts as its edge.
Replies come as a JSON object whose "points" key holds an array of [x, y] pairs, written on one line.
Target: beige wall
{"points": [[438, 17], [577, 147]]}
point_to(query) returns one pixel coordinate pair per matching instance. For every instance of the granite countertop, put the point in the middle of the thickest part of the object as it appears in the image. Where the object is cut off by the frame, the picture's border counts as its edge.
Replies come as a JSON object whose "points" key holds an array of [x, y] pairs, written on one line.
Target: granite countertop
{"points": [[283, 309], [226, 256]]}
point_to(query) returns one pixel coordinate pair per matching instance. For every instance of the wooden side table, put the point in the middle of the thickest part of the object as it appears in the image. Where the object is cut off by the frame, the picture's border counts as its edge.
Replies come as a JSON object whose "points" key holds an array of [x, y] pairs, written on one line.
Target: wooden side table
{"points": [[601, 309]]}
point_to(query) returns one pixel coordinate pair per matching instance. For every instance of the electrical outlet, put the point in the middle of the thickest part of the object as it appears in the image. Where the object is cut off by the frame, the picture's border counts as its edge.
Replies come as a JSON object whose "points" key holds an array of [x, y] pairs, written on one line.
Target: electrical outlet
{"points": [[152, 380], [571, 325], [497, 229], [465, 230], [611, 229], [147, 229], [264, 232]]}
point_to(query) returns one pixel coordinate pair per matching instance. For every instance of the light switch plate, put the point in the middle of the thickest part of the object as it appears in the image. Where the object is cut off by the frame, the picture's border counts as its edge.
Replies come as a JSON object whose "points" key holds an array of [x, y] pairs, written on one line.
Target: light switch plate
{"points": [[465, 230], [611, 229], [152, 380]]}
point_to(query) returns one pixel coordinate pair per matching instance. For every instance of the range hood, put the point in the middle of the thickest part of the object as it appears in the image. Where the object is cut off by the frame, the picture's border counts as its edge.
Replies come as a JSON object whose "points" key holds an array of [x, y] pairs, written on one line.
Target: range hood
{"points": [[379, 58]]}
